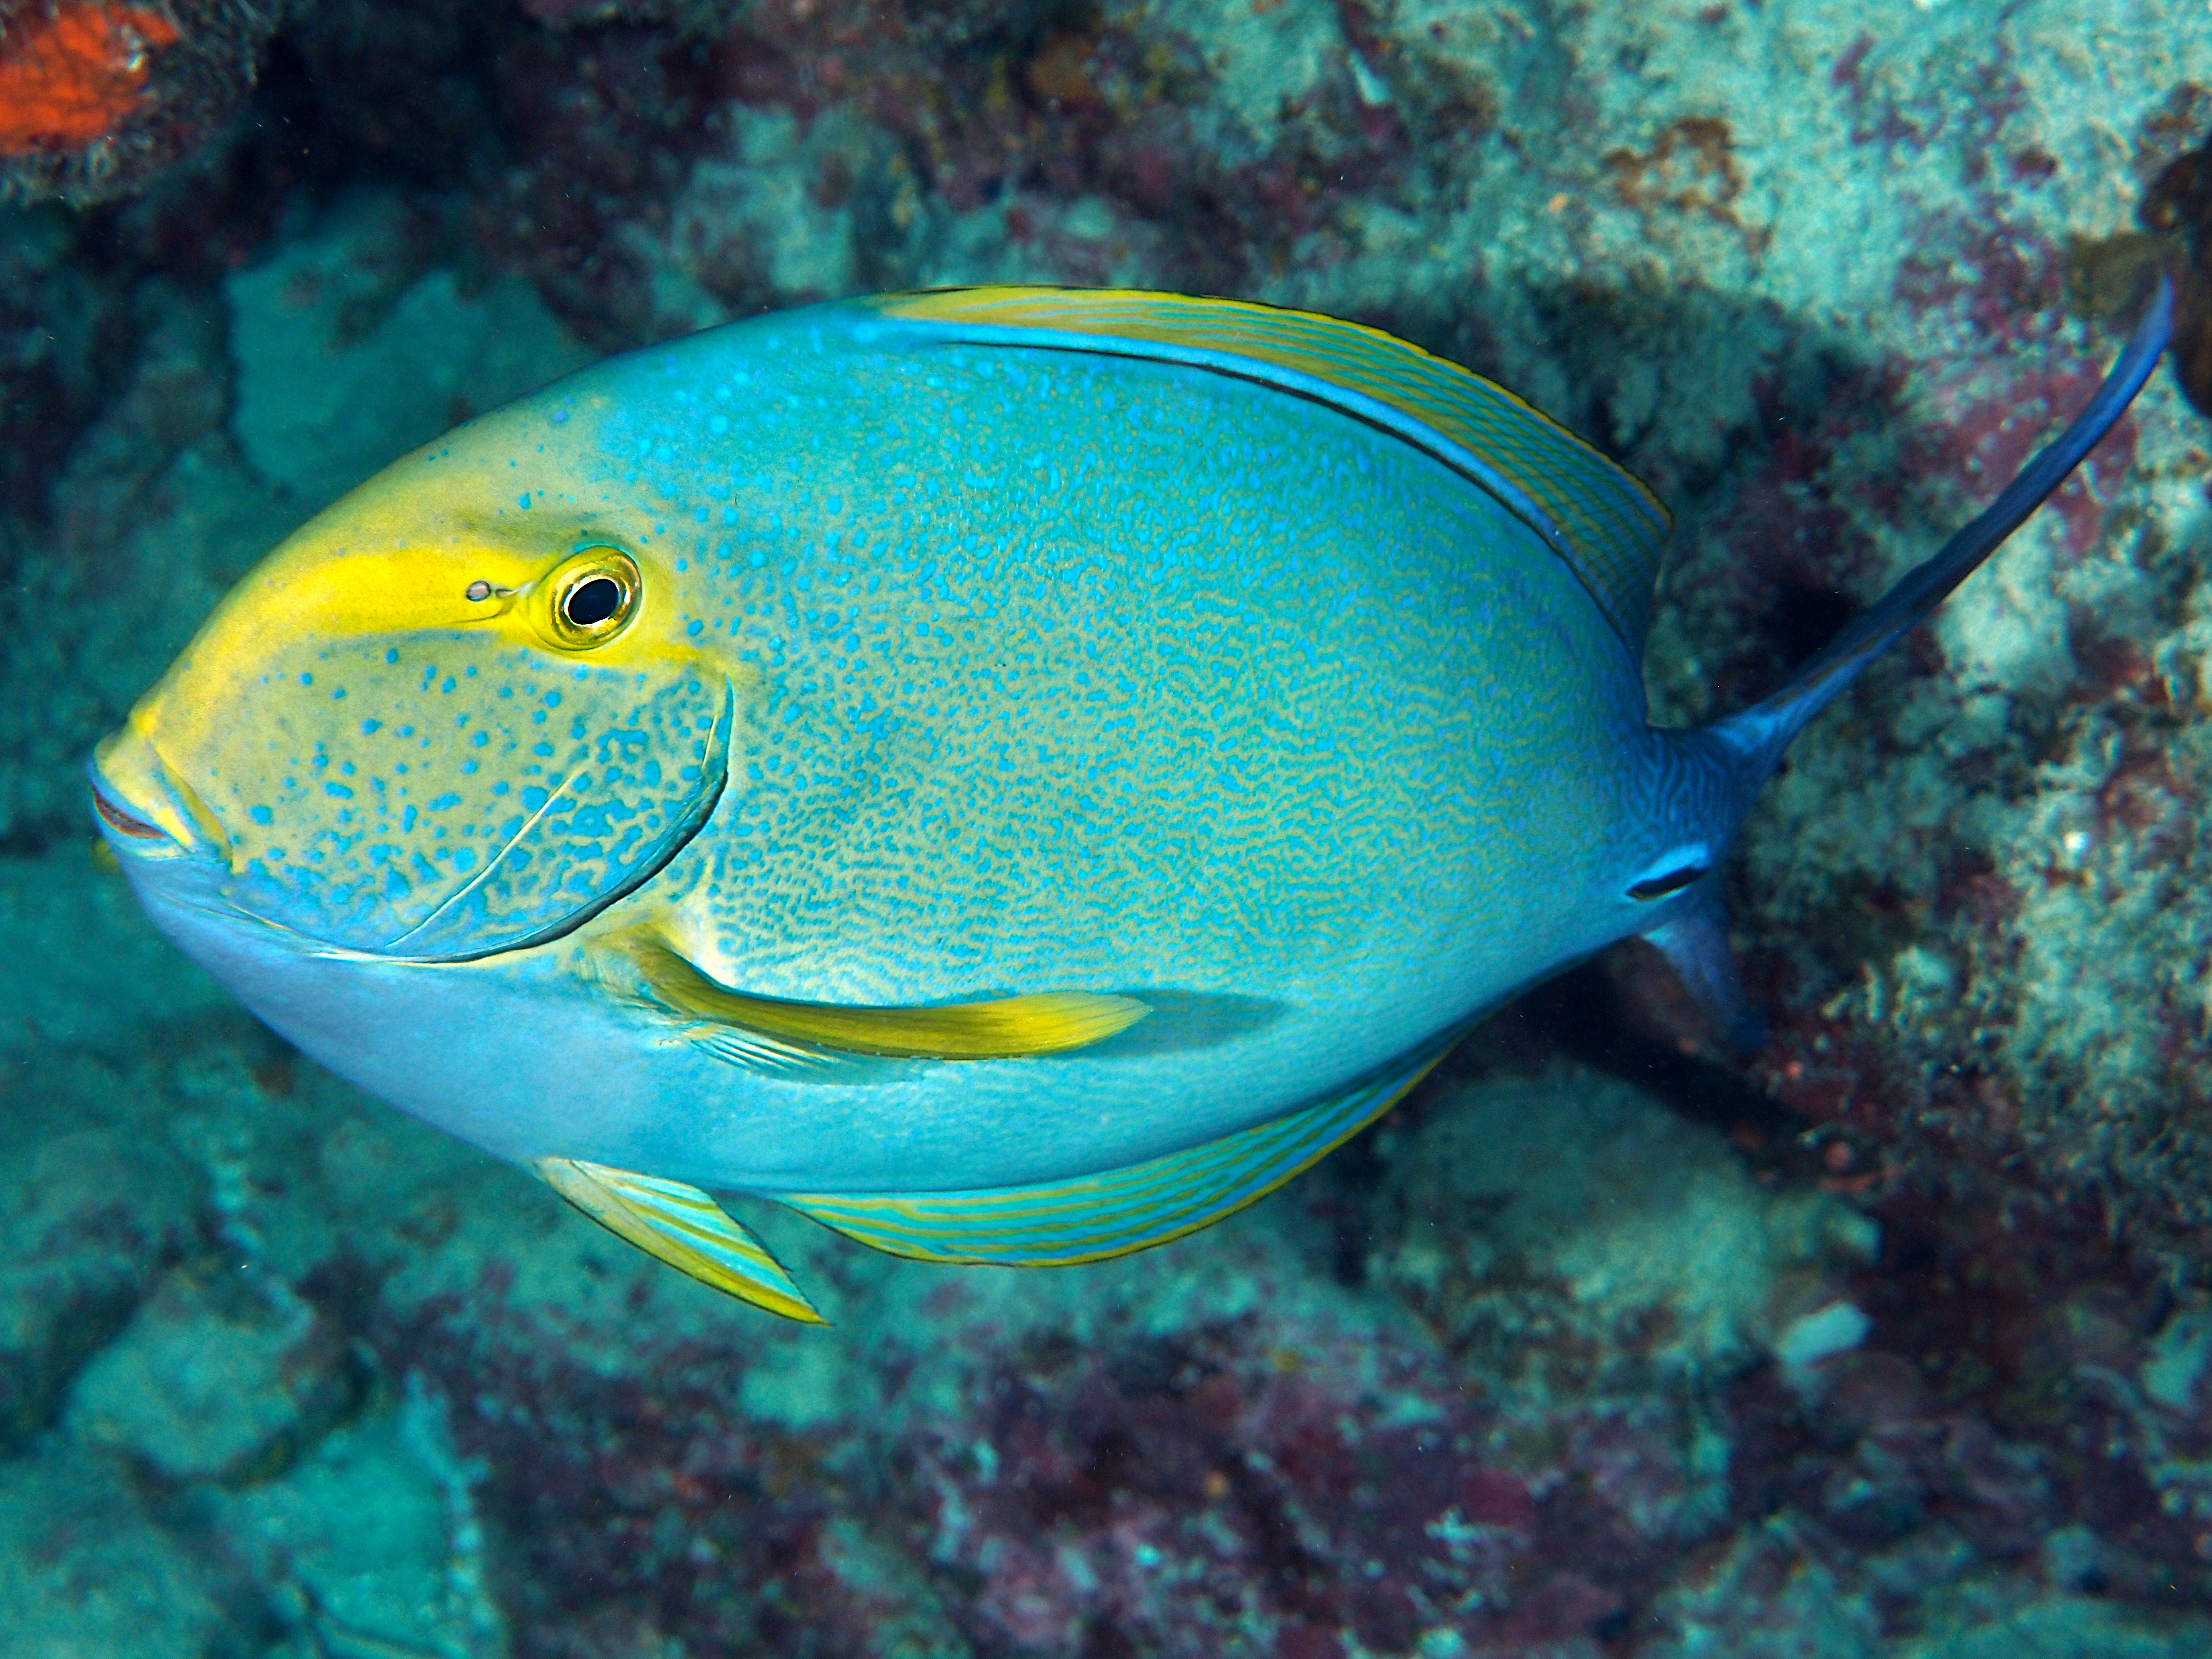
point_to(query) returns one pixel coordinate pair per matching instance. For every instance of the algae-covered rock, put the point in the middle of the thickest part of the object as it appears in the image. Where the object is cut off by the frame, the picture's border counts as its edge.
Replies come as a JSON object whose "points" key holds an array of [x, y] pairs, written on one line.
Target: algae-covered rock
{"points": [[86, 1574], [90, 1215], [1576, 1200], [214, 1379], [370, 1543], [350, 353]]}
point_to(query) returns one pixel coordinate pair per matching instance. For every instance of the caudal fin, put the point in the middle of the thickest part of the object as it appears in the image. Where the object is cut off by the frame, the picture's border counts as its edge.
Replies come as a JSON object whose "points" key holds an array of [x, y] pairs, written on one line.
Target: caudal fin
{"points": [[1763, 731]]}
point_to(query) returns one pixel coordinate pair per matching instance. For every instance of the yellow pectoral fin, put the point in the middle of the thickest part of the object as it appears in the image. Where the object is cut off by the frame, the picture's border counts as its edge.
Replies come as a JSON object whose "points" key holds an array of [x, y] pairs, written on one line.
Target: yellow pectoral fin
{"points": [[685, 1228], [1047, 1022]]}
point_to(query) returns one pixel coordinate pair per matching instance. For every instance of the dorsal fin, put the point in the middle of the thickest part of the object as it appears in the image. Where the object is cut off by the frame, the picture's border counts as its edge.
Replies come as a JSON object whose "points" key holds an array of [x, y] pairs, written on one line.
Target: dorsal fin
{"points": [[1607, 526]]}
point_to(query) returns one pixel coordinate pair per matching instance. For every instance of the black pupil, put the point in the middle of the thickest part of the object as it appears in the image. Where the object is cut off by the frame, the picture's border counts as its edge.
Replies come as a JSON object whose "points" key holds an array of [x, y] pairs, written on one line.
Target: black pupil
{"points": [[591, 603]]}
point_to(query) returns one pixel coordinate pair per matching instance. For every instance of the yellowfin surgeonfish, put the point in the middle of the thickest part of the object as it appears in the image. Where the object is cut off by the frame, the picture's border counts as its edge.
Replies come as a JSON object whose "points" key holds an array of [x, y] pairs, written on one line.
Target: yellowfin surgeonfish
{"points": [[1012, 773]]}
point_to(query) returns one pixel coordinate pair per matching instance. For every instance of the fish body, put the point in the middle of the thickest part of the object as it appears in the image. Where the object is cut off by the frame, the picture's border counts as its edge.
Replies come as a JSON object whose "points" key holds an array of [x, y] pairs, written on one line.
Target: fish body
{"points": [[1064, 755]]}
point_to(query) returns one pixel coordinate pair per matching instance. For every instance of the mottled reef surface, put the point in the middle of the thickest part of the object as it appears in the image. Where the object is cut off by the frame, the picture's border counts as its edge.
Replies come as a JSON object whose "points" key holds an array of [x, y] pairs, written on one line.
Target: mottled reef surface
{"points": [[1898, 1340]]}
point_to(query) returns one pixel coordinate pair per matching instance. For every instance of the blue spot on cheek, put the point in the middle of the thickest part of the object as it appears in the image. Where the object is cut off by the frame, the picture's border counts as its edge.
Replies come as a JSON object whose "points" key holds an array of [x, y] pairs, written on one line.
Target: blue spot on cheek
{"points": [[523, 502], [407, 820], [393, 654], [368, 728], [262, 815], [306, 679], [338, 790], [696, 629], [447, 683]]}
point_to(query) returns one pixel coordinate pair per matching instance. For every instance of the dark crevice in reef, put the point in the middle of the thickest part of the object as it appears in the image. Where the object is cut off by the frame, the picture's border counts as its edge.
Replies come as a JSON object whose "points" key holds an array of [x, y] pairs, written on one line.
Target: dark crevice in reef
{"points": [[1587, 1015]]}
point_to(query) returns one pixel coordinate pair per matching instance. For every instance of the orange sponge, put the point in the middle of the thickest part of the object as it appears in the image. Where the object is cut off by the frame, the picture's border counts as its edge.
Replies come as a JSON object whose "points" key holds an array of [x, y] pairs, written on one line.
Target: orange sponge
{"points": [[70, 76]]}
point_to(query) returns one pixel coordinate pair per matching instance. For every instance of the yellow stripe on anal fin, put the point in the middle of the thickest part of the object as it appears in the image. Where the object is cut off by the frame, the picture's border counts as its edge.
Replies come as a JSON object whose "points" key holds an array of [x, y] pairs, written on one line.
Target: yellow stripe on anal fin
{"points": [[683, 1227], [1046, 1022], [1114, 1212]]}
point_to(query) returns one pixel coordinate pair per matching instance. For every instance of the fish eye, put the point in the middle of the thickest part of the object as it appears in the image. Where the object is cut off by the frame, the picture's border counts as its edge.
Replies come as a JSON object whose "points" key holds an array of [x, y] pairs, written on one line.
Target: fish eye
{"points": [[591, 602], [591, 597]]}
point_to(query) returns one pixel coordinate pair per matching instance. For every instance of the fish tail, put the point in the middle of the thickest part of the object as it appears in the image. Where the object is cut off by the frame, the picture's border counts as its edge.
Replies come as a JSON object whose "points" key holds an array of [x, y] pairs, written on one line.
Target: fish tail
{"points": [[1762, 732]]}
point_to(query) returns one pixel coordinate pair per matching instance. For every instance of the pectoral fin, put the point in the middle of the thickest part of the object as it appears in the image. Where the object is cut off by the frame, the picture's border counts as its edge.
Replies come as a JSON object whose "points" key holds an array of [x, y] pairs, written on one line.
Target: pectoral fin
{"points": [[769, 1028], [685, 1228], [1093, 1217]]}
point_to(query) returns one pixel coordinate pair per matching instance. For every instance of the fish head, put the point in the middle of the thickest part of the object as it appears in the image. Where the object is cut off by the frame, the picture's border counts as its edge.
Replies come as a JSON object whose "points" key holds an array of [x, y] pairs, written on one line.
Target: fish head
{"points": [[440, 720]]}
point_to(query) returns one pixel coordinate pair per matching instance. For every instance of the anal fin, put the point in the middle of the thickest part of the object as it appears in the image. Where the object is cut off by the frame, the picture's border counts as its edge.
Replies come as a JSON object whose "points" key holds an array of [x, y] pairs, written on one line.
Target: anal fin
{"points": [[683, 1227], [1091, 1218]]}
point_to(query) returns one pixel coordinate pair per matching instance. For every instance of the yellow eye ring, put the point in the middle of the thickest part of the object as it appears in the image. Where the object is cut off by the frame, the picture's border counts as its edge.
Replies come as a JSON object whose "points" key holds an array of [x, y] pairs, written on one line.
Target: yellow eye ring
{"points": [[589, 597]]}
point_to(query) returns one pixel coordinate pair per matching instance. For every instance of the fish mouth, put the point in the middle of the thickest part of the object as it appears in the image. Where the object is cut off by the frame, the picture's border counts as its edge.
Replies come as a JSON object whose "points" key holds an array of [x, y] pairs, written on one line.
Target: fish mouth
{"points": [[142, 806], [122, 823]]}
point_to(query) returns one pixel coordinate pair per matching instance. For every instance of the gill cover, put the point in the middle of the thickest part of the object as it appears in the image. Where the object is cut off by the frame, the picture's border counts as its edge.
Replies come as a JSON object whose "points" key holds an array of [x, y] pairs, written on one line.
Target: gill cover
{"points": [[430, 729]]}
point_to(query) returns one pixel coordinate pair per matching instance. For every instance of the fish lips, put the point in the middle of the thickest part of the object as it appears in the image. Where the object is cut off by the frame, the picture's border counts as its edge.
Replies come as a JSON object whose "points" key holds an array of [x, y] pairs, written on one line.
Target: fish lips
{"points": [[115, 820], [143, 809], [164, 848]]}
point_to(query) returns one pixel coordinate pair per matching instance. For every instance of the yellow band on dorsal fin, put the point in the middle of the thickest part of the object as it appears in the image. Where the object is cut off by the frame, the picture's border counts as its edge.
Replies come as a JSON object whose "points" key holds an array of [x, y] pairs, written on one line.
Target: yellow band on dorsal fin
{"points": [[1046, 1022], [1610, 529]]}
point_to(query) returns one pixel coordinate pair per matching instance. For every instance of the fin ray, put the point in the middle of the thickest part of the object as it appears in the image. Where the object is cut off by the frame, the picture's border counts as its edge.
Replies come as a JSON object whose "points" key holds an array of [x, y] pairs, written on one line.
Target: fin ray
{"points": [[1096, 1217], [683, 1227], [761, 1029]]}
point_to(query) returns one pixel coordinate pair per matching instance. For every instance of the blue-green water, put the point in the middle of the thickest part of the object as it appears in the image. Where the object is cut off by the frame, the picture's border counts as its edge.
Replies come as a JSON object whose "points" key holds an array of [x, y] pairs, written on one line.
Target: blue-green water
{"points": [[1892, 1340]]}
